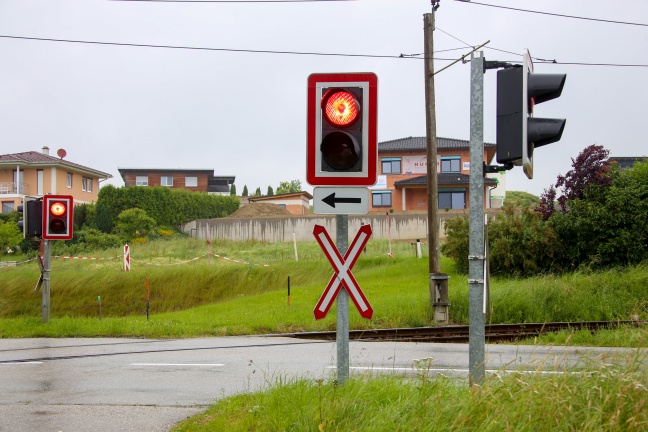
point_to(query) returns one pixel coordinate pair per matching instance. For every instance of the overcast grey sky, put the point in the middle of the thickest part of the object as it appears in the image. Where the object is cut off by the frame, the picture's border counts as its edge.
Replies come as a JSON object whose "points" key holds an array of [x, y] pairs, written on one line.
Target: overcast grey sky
{"points": [[244, 114]]}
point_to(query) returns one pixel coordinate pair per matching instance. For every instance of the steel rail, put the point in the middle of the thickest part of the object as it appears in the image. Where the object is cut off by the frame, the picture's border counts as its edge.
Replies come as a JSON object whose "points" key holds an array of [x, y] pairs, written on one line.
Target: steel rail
{"points": [[459, 333]]}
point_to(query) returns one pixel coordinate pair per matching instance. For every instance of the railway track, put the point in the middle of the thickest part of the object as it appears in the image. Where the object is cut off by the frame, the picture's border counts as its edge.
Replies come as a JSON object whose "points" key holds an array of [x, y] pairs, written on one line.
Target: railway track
{"points": [[459, 333]]}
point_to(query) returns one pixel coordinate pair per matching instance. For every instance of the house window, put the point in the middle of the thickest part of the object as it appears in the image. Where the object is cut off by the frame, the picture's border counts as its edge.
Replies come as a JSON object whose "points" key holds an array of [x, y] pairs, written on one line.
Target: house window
{"points": [[166, 181], [86, 184], [381, 198], [450, 164], [69, 180], [141, 180], [453, 199], [191, 181], [7, 206], [391, 165]]}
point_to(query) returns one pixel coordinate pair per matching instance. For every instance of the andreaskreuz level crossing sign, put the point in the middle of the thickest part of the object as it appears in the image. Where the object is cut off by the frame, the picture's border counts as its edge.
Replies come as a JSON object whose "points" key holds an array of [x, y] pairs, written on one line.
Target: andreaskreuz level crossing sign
{"points": [[343, 276]]}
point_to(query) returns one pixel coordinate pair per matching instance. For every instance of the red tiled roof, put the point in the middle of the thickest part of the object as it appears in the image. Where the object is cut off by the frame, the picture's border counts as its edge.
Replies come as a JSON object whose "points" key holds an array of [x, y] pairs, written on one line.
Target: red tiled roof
{"points": [[37, 158]]}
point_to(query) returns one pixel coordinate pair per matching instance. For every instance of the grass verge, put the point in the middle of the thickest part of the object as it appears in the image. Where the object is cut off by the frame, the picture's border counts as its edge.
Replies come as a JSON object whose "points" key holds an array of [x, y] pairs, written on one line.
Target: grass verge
{"points": [[601, 397]]}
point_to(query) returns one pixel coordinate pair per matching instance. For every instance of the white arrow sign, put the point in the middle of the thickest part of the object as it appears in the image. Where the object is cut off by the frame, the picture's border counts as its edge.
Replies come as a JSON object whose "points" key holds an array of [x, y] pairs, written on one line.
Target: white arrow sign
{"points": [[340, 200]]}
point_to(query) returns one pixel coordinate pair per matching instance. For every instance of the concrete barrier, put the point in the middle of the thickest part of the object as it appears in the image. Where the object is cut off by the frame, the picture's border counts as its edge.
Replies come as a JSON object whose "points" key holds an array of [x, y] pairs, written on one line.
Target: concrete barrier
{"points": [[404, 226]]}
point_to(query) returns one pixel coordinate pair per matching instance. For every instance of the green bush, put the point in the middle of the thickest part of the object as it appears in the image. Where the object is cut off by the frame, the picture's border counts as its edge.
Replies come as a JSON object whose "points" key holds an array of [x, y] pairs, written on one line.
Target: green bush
{"points": [[134, 223], [608, 226], [168, 207], [520, 243]]}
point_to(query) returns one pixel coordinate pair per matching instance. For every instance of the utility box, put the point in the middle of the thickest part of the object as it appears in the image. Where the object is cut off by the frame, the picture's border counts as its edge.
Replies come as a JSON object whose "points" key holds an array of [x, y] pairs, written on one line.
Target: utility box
{"points": [[439, 296]]}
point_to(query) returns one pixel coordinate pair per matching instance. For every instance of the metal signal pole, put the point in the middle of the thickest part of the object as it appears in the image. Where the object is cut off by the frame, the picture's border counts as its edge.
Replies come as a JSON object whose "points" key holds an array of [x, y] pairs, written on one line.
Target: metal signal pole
{"points": [[342, 335]]}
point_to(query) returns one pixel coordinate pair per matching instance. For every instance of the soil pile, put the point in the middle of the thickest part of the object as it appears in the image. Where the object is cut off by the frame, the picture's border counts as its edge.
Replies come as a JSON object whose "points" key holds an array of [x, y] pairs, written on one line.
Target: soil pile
{"points": [[254, 210]]}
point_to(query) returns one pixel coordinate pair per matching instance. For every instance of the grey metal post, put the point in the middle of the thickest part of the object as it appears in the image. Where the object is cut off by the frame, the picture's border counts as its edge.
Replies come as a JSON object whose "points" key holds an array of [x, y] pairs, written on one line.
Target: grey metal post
{"points": [[342, 335], [47, 255], [476, 332]]}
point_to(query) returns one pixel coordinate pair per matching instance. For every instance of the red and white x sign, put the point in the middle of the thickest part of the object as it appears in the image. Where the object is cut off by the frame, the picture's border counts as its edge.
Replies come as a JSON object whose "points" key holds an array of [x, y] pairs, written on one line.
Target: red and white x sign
{"points": [[343, 275]]}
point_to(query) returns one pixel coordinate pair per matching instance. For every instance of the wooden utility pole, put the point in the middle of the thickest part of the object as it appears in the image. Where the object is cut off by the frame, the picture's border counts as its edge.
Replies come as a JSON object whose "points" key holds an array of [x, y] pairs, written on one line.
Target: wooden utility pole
{"points": [[438, 280], [430, 120]]}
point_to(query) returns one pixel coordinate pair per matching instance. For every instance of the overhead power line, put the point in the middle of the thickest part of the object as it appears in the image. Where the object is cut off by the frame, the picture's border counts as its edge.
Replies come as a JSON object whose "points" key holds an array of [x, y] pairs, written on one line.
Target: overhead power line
{"points": [[554, 14], [231, 1], [179, 47]]}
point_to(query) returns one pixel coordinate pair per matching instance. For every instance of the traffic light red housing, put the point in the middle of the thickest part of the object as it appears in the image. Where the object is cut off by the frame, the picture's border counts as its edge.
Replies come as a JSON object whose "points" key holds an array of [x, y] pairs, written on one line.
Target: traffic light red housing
{"points": [[58, 217], [342, 134]]}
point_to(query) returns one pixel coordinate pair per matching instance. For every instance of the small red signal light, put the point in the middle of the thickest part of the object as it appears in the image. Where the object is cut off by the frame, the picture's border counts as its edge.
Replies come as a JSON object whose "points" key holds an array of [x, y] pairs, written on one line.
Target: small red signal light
{"points": [[58, 217], [340, 107], [58, 209]]}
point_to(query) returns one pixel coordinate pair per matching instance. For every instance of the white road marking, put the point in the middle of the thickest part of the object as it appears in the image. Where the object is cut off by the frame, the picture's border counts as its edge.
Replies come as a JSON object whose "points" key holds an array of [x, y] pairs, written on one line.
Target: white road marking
{"points": [[449, 370], [179, 364], [22, 363]]}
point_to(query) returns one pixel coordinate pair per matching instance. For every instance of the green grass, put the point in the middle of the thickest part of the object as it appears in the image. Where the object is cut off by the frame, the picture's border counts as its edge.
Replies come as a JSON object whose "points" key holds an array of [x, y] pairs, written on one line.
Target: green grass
{"points": [[602, 397], [221, 297]]}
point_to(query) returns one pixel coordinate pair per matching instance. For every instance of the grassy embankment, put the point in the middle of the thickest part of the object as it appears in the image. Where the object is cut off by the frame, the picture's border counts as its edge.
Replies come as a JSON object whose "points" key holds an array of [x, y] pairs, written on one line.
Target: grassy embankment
{"points": [[202, 298]]}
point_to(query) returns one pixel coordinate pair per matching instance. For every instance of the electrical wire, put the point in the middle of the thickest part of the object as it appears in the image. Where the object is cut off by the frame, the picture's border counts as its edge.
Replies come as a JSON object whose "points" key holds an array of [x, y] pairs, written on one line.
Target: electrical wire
{"points": [[401, 56], [231, 1], [553, 14]]}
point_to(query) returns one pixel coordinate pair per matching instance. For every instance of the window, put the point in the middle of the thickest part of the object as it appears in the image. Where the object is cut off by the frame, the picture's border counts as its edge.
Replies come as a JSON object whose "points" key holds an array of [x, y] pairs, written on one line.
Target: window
{"points": [[191, 181], [7, 206], [141, 180], [452, 200], [381, 198], [450, 164], [166, 181], [86, 184], [391, 165], [69, 180]]}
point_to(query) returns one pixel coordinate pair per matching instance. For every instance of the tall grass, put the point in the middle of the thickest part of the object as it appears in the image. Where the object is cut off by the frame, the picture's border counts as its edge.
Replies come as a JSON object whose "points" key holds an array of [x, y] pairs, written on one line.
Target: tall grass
{"points": [[601, 397], [218, 296]]}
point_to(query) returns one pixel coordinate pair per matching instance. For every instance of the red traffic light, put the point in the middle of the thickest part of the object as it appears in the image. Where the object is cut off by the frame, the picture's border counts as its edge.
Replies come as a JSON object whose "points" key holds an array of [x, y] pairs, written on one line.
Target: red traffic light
{"points": [[341, 144], [58, 217], [340, 107], [58, 208]]}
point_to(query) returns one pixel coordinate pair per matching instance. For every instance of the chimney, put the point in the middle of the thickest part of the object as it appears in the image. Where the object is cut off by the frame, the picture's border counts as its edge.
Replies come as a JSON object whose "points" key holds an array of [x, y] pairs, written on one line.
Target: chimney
{"points": [[46, 150]]}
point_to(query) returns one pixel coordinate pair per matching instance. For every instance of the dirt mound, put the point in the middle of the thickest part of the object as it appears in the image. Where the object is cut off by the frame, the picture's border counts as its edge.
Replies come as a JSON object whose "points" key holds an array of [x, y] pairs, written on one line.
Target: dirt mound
{"points": [[255, 210]]}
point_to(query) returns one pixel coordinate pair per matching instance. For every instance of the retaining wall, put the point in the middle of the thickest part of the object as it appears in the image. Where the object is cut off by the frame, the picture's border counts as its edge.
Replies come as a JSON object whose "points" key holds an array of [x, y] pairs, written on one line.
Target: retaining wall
{"points": [[267, 229]]}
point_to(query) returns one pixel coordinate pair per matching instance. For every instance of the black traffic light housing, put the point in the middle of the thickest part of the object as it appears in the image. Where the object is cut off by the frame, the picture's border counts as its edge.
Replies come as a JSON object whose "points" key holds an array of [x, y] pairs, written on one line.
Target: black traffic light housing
{"points": [[32, 217], [518, 131], [58, 217], [342, 128]]}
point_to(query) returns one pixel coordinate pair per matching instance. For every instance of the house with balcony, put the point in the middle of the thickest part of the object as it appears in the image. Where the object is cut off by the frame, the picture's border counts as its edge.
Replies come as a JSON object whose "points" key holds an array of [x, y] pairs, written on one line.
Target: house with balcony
{"points": [[402, 175], [197, 180], [38, 173]]}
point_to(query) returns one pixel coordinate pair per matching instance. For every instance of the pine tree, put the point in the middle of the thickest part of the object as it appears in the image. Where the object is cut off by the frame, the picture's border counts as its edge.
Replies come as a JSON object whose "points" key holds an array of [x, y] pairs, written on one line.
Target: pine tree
{"points": [[270, 191], [233, 189], [245, 191], [258, 192]]}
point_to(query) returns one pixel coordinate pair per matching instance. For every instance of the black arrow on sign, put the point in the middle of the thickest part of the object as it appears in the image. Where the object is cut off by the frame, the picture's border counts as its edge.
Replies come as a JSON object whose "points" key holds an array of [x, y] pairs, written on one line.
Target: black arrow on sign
{"points": [[331, 200]]}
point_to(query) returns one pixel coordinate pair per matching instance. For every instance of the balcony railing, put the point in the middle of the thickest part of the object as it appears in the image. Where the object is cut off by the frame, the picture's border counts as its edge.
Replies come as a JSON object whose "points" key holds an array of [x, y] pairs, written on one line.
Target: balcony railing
{"points": [[11, 188]]}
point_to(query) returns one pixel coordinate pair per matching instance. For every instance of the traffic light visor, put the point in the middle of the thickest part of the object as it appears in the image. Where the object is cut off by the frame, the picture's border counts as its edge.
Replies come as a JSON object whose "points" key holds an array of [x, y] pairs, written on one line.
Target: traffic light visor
{"points": [[340, 107]]}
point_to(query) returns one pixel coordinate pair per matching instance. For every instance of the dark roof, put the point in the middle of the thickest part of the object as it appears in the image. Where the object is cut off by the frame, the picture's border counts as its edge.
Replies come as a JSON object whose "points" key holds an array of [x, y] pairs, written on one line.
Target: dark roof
{"points": [[420, 143], [627, 161], [442, 179], [33, 158]]}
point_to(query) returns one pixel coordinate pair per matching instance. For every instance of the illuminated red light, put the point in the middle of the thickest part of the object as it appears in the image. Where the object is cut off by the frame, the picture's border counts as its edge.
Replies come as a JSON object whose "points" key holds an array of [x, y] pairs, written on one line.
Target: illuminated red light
{"points": [[340, 107], [57, 209]]}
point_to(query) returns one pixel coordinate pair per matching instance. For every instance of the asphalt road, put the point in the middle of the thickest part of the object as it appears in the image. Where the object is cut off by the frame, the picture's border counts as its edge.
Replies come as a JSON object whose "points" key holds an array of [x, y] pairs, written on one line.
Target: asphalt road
{"points": [[81, 385]]}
